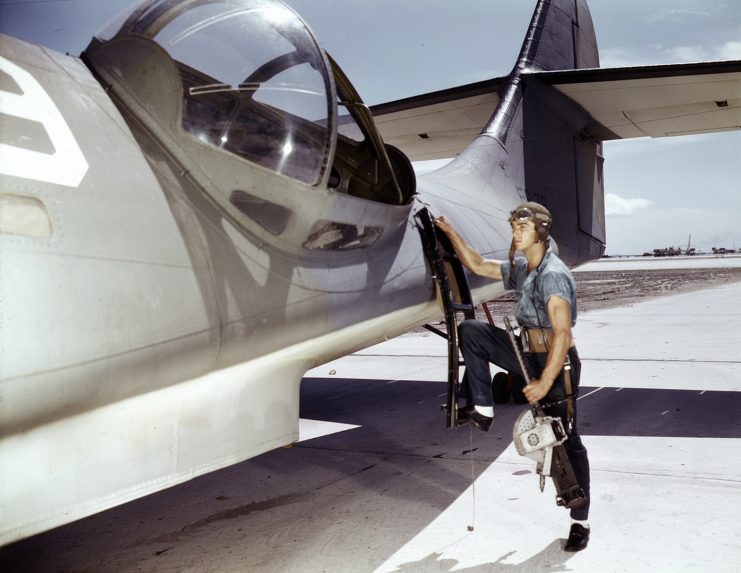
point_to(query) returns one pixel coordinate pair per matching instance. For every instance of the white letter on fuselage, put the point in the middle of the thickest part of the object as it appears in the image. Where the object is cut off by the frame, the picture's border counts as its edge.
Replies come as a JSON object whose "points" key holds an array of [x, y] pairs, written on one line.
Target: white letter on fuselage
{"points": [[67, 165]]}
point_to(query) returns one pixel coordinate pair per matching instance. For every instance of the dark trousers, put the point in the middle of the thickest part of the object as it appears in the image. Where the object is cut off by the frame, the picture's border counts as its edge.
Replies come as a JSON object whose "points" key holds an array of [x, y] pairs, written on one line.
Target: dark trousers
{"points": [[483, 343]]}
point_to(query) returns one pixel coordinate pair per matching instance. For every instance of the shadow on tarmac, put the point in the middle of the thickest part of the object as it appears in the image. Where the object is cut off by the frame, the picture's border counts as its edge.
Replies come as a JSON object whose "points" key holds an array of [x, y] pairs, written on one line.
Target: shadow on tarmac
{"points": [[551, 558]]}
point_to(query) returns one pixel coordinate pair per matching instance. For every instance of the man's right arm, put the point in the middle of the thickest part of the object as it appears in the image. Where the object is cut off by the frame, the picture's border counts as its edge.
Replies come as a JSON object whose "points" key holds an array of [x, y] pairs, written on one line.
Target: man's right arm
{"points": [[470, 258]]}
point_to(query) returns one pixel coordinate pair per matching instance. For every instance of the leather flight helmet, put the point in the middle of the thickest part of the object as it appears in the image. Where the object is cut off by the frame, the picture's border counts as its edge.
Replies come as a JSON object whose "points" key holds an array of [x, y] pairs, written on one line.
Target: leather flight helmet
{"points": [[532, 211]]}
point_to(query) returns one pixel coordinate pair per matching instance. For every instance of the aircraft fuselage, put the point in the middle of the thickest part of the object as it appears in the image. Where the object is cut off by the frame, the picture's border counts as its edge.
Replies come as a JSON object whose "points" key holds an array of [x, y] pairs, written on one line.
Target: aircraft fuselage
{"points": [[166, 283]]}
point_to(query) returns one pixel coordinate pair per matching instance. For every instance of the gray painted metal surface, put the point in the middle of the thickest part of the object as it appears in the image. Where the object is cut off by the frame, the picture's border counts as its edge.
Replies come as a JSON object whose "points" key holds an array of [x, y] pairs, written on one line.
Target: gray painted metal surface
{"points": [[164, 289]]}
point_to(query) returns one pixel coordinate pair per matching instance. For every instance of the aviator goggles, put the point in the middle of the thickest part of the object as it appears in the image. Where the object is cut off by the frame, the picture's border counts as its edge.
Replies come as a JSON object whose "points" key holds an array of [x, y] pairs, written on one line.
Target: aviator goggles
{"points": [[525, 214]]}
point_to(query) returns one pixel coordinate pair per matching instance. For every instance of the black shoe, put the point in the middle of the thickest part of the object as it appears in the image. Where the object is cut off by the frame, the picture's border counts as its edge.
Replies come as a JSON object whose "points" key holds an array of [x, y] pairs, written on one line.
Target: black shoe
{"points": [[470, 415], [479, 420], [578, 538]]}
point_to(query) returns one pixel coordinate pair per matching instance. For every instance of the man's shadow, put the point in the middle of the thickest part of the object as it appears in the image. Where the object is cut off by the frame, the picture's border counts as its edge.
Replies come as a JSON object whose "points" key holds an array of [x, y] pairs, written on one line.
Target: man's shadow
{"points": [[551, 558]]}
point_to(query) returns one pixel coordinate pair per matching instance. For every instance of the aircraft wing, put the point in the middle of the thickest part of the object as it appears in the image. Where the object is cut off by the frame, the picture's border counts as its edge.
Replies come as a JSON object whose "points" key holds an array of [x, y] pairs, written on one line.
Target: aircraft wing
{"points": [[647, 101], [655, 101], [440, 124]]}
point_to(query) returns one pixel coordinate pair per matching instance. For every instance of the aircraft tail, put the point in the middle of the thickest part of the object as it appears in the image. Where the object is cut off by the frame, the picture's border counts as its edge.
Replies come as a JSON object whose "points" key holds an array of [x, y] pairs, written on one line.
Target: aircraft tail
{"points": [[538, 145], [544, 134], [547, 45], [563, 160], [560, 37]]}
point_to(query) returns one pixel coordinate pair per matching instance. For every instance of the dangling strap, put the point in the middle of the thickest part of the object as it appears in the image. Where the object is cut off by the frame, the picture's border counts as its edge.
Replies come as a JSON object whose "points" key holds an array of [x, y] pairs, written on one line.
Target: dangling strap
{"points": [[569, 393]]}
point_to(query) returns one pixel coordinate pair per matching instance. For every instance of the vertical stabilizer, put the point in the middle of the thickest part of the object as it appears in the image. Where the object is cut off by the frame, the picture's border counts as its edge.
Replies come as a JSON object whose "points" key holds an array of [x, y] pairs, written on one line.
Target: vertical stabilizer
{"points": [[560, 37], [535, 145], [562, 163]]}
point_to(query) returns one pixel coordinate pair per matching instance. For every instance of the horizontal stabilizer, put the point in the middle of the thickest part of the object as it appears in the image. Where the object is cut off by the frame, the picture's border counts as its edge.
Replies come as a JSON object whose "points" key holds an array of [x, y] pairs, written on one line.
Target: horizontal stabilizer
{"points": [[439, 124], [655, 101], [646, 101]]}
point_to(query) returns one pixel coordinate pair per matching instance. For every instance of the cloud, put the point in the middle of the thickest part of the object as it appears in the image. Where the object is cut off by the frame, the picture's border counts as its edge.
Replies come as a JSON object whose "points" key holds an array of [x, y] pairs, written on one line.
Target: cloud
{"points": [[730, 51], [616, 206], [660, 54], [665, 226], [677, 14]]}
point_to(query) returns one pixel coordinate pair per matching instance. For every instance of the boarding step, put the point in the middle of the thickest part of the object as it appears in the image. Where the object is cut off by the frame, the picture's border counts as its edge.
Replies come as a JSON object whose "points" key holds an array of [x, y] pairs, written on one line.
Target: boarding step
{"points": [[455, 295]]}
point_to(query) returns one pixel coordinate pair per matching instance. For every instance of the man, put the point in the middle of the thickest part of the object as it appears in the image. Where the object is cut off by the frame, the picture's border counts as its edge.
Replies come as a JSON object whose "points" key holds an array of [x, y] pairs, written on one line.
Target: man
{"points": [[545, 308]]}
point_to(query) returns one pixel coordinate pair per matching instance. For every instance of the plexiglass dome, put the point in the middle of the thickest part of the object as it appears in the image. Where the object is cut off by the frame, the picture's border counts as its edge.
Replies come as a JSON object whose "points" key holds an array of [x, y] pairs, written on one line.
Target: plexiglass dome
{"points": [[254, 81]]}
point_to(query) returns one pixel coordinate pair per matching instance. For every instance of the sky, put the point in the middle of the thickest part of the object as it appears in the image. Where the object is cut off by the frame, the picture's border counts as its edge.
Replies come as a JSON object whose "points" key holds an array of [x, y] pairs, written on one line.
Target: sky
{"points": [[658, 191]]}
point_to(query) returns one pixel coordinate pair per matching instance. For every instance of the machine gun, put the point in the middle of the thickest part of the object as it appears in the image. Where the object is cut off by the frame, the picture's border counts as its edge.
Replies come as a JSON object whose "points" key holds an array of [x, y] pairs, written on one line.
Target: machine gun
{"points": [[540, 438]]}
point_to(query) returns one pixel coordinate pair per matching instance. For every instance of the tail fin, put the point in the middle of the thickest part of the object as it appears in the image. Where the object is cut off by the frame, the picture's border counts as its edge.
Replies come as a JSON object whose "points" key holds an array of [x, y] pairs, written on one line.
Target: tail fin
{"points": [[535, 145], [547, 46], [560, 37], [563, 164]]}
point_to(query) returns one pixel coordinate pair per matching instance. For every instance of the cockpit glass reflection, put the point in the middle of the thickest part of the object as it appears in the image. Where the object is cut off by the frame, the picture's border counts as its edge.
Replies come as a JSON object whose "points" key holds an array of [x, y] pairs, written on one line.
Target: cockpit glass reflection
{"points": [[254, 81]]}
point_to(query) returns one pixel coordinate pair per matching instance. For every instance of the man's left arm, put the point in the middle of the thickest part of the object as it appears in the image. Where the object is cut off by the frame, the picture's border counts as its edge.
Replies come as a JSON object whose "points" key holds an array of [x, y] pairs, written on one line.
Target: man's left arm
{"points": [[559, 313]]}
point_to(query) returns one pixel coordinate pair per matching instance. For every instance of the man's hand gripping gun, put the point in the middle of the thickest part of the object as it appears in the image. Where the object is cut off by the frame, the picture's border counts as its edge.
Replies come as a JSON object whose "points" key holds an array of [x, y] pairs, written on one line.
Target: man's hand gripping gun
{"points": [[540, 438]]}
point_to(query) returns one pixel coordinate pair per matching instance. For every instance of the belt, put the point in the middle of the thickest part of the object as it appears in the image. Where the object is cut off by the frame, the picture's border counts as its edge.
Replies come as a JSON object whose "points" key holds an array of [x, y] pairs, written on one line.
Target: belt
{"points": [[539, 339]]}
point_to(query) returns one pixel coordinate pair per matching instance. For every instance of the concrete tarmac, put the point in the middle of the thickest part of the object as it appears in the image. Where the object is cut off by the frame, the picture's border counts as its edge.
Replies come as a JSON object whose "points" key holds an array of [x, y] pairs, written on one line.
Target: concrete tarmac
{"points": [[379, 484]]}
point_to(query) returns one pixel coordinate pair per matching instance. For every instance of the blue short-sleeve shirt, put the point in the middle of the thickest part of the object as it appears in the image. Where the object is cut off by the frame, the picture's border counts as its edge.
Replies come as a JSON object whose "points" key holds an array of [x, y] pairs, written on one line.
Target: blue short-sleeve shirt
{"points": [[534, 290]]}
